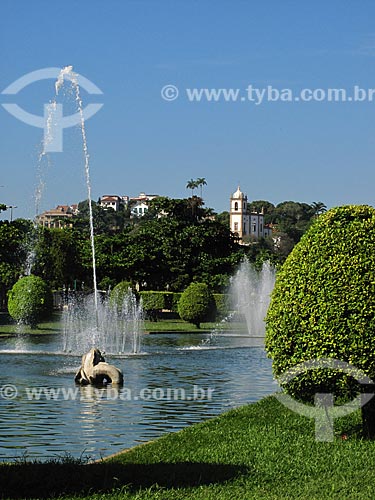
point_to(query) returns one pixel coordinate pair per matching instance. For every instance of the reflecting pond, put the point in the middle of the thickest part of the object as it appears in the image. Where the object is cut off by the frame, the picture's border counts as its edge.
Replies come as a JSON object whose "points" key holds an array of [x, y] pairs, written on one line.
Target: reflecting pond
{"points": [[177, 380]]}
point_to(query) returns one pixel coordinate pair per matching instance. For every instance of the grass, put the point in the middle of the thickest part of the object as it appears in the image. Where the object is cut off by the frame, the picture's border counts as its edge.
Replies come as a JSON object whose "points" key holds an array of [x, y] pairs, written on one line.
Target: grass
{"points": [[259, 451], [8, 327], [180, 326]]}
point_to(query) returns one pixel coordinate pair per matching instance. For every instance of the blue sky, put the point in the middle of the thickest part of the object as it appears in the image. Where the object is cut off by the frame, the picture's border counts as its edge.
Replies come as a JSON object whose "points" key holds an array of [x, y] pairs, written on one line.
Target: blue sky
{"points": [[302, 151]]}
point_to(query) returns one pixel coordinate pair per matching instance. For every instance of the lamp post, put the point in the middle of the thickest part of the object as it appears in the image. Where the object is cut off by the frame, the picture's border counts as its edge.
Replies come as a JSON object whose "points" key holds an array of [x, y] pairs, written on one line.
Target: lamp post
{"points": [[11, 211]]}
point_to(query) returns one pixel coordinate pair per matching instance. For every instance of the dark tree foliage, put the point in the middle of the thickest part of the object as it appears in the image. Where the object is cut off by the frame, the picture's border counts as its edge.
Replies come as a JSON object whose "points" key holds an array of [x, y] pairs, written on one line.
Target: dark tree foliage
{"points": [[57, 258]]}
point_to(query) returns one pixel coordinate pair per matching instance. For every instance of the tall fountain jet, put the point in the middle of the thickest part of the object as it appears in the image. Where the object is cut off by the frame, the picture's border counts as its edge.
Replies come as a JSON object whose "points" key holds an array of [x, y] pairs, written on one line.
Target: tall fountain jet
{"points": [[94, 321], [250, 293], [68, 73]]}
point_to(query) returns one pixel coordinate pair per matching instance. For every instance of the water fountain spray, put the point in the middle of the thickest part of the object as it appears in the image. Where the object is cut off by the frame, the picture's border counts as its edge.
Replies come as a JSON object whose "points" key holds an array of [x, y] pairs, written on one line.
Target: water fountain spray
{"points": [[89, 322], [250, 292], [68, 73]]}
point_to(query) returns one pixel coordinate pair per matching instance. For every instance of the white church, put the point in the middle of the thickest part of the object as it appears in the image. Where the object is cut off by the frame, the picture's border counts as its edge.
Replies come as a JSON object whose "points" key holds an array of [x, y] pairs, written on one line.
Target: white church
{"points": [[244, 223]]}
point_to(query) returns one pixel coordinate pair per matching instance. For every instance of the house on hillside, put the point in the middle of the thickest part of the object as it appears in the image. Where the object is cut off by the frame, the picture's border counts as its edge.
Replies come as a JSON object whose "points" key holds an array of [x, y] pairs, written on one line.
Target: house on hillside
{"points": [[111, 201], [58, 217], [139, 205]]}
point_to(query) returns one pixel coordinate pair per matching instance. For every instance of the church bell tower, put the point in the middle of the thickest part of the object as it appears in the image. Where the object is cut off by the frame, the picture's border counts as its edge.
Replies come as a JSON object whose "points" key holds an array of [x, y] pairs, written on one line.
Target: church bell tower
{"points": [[239, 218]]}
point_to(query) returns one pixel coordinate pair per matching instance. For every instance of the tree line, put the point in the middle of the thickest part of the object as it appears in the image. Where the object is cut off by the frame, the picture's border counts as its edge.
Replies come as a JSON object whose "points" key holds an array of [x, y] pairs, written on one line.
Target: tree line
{"points": [[177, 242]]}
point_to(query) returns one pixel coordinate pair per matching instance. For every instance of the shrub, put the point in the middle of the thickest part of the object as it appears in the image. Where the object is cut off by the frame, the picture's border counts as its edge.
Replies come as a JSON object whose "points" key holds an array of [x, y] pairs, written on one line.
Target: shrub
{"points": [[221, 302], [30, 300], [323, 303], [196, 303], [118, 294]]}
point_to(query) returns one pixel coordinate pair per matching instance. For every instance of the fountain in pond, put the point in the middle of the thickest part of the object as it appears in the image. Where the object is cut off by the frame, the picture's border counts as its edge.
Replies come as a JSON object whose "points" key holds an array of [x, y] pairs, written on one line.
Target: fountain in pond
{"points": [[114, 326], [92, 321], [250, 292]]}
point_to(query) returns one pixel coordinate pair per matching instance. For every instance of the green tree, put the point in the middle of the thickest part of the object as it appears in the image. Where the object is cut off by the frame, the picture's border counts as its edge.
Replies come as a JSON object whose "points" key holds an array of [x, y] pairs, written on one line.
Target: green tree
{"points": [[293, 218], [30, 300], [323, 304], [267, 207], [106, 220], [13, 253], [57, 257], [178, 209], [318, 207], [223, 218], [196, 303], [192, 184], [201, 181]]}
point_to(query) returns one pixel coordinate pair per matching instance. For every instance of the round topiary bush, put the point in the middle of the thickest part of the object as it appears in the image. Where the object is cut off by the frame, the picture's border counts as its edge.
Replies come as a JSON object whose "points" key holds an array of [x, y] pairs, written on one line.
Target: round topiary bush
{"points": [[323, 303], [30, 300], [196, 303], [119, 294]]}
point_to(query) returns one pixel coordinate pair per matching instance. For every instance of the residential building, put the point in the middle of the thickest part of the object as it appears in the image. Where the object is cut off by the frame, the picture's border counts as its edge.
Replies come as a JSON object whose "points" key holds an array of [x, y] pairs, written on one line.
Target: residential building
{"points": [[57, 217], [139, 205], [111, 201]]}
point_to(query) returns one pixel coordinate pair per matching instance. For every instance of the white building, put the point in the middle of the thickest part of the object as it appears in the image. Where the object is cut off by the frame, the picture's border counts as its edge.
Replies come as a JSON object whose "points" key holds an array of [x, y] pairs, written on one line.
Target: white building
{"points": [[139, 204], [244, 223], [111, 201]]}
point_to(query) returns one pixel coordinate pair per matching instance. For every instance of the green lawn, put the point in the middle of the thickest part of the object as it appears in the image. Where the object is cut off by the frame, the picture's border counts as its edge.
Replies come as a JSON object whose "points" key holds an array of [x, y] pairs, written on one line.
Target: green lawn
{"points": [[259, 451], [179, 326], [7, 326]]}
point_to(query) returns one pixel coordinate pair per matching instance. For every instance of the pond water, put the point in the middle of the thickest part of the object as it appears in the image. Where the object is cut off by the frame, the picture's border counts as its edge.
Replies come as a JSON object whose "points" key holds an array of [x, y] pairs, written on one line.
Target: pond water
{"points": [[177, 380]]}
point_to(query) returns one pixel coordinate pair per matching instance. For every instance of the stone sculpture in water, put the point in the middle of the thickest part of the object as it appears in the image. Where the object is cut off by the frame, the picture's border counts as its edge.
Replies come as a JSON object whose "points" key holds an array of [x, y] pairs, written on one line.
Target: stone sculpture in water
{"points": [[94, 370]]}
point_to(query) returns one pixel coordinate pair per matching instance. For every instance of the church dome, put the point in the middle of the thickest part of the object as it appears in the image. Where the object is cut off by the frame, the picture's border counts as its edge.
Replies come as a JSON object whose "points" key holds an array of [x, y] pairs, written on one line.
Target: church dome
{"points": [[238, 194]]}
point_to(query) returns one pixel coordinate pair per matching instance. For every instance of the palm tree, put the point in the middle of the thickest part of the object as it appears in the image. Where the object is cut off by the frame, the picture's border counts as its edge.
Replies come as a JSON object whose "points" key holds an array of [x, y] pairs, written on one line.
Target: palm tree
{"points": [[192, 184], [318, 207], [201, 181]]}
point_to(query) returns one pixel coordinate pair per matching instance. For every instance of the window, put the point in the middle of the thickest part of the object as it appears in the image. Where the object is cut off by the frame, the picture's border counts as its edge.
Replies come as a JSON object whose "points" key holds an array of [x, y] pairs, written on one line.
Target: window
{"points": [[254, 228], [236, 206], [236, 226]]}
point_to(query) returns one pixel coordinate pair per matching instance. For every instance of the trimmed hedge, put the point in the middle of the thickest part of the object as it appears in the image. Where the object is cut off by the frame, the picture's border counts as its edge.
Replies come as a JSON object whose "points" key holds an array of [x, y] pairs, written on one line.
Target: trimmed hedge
{"points": [[160, 300], [323, 303], [163, 300], [153, 300], [30, 300]]}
